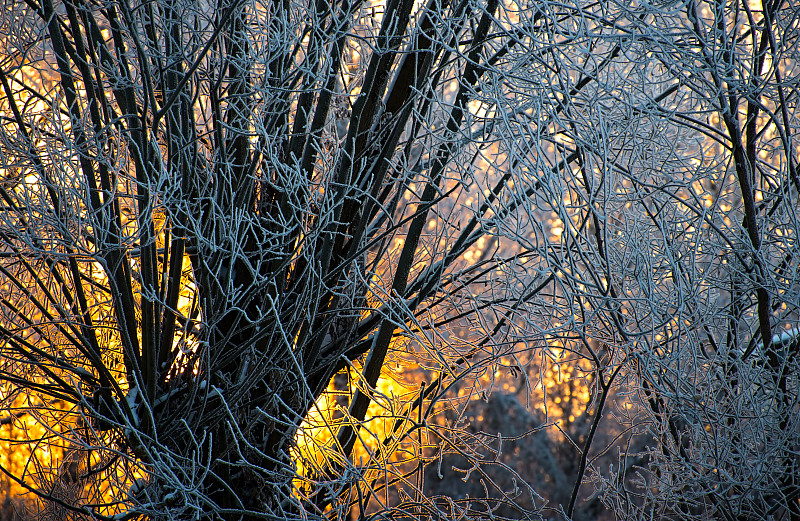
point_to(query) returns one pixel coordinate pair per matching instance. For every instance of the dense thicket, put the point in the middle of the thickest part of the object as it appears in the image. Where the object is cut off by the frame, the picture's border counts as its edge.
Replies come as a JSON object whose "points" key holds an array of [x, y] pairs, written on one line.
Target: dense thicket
{"points": [[258, 259]]}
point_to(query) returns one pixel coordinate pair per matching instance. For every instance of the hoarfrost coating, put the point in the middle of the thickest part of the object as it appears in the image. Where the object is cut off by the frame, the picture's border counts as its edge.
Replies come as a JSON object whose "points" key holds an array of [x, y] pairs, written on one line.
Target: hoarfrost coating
{"points": [[453, 260]]}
